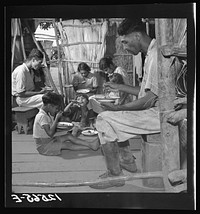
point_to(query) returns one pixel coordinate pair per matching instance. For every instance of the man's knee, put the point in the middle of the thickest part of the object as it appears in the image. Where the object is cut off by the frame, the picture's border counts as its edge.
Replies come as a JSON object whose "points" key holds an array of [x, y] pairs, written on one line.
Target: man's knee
{"points": [[102, 116]]}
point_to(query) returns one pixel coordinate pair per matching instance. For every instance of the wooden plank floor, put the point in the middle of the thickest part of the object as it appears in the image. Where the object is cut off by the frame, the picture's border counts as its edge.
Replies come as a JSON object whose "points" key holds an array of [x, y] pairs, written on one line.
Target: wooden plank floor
{"points": [[71, 166]]}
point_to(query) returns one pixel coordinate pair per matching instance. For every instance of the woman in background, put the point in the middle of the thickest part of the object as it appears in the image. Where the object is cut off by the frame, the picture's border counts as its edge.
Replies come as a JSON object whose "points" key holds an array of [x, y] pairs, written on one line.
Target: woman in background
{"points": [[85, 79]]}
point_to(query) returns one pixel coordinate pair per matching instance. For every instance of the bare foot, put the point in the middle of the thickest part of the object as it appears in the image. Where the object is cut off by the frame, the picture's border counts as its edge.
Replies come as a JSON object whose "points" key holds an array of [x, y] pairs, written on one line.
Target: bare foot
{"points": [[95, 144]]}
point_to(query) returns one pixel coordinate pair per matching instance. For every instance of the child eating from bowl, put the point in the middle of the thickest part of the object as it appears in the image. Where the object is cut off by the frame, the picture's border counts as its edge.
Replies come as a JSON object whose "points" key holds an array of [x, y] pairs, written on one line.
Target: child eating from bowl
{"points": [[45, 125], [77, 111]]}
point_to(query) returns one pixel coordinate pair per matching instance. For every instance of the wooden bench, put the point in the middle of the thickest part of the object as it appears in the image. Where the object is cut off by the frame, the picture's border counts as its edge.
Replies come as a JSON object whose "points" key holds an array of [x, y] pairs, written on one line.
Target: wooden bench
{"points": [[151, 152], [23, 115]]}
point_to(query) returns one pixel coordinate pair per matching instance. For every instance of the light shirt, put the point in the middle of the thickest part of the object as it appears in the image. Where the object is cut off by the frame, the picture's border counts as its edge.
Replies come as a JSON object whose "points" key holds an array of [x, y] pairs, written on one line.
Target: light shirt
{"points": [[42, 118], [22, 80], [124, 74], [89, 82], [150, 77]]}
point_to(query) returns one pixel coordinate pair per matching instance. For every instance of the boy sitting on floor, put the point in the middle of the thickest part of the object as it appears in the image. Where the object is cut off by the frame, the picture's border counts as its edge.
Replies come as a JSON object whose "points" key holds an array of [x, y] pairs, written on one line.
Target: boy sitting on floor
{"points": [[45, 126]]}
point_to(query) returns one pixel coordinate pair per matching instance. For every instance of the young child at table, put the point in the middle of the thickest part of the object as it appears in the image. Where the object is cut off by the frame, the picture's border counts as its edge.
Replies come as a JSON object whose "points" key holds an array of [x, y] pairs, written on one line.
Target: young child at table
{"points": [[124, 97], [44, 130]]}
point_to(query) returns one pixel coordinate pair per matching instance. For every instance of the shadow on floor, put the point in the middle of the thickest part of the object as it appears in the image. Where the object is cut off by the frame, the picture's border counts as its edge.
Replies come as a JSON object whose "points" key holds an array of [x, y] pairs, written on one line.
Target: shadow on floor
{"points": [[68, 154]]}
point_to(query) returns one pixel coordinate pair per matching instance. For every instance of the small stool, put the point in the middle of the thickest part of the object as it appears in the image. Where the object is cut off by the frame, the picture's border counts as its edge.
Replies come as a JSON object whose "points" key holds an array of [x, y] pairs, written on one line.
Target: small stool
{"points": [[22, 114], [152, 159]]}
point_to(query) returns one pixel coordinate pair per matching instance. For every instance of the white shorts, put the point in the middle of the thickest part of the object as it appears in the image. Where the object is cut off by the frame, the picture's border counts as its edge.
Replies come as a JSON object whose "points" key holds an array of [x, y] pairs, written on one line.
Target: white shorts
{"points": [[119, 126], [49, 146]]}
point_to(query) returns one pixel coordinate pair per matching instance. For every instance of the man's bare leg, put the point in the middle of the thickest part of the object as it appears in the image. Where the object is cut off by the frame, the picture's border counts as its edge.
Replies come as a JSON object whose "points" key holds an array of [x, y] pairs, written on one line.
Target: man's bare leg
{"points": [[111, 154], [127, 160]]}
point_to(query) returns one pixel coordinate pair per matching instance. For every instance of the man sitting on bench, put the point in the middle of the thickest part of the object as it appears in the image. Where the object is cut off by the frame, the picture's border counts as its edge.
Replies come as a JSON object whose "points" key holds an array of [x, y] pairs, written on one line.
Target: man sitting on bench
{"points": [[23, 87], [121, 122]]}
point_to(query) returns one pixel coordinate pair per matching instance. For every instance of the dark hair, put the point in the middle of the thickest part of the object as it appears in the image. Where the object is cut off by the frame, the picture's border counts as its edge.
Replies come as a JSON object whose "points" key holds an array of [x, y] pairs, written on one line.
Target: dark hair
{"points": [[83, 66], [42, 79], [39, 72], [83, 95], [117, 78], [105, 62], [35, 53], [51, 98], [131, 25]]}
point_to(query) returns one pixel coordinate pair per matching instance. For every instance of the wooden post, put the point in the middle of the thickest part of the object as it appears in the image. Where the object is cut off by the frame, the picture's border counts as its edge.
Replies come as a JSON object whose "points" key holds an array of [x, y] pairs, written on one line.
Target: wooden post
{"points": [[13, 45], [22, 40], [59, 60], [64, 77], [65, 74], [64, 71], [134, 75], [166, 84]]}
